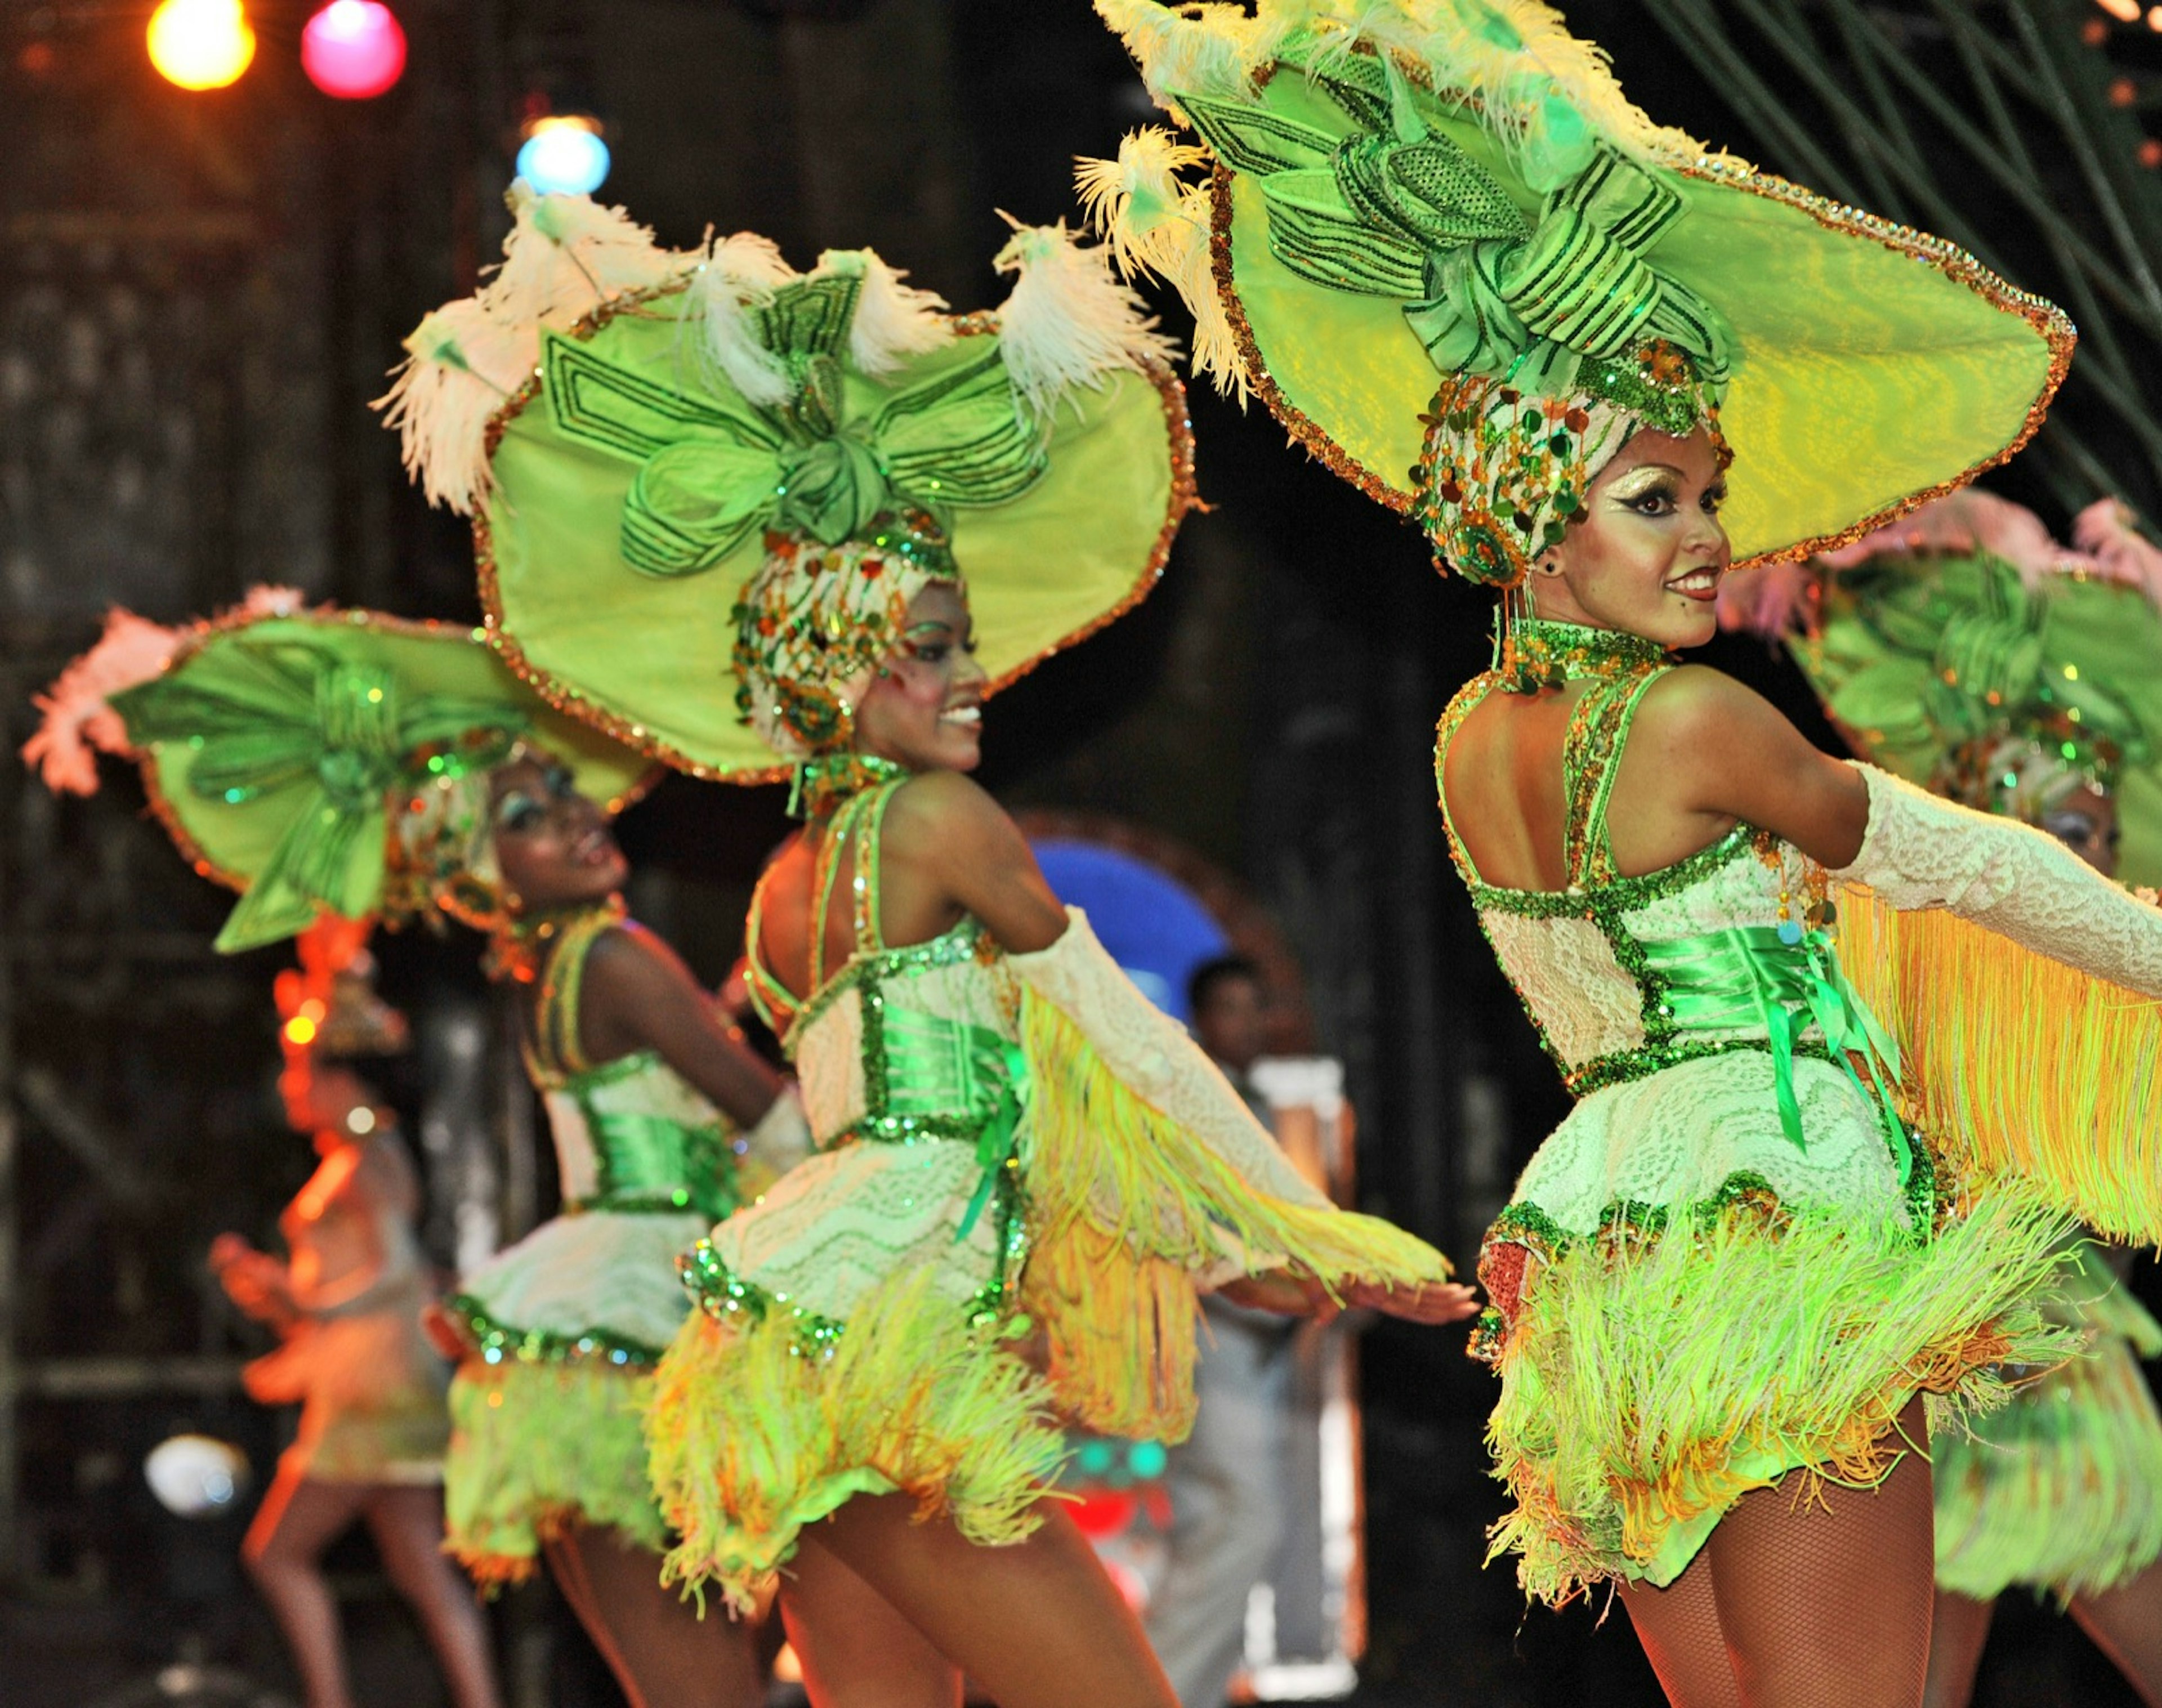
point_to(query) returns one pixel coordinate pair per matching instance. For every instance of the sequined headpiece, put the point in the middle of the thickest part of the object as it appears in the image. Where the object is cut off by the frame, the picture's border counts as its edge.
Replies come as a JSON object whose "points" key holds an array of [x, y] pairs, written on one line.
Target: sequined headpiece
{"points": [[1373, 199], [816, 622], [336, 762]]}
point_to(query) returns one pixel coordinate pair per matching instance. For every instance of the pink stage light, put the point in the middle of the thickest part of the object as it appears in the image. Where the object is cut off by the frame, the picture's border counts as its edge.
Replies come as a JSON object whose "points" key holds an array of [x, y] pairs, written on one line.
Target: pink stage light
{"points": [[353, 50]]}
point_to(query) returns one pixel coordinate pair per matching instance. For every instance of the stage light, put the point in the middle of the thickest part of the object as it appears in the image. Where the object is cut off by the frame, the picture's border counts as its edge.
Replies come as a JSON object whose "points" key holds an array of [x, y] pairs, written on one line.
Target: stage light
{"points": [[2123, 11], [353, 50], [196, 1476], [200, 44], [564, 156]]}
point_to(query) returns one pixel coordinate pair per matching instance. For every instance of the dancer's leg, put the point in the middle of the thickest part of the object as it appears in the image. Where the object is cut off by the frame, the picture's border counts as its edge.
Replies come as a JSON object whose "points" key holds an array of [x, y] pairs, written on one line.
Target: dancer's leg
{"points": [[855, 1650], [297, 1521], [1038, 1624], [407, 1522], [1825, 1598], [1680, 1628], [1957, 1632], [2126, 1625], [662, 1653]]}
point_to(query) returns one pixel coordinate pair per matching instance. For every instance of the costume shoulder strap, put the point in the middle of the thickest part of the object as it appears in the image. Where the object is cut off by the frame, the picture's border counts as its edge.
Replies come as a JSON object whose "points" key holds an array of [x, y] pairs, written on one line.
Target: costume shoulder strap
{"points": [[557, 1053], [1467, 699], [857, 827], [774, 1002], [1591, 755]]}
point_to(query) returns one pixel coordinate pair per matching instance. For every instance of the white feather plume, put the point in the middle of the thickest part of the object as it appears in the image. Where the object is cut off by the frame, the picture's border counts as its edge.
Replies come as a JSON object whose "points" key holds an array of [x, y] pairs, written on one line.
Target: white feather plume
{"points": [[1154, 223], [77, 723], [893, 321], [1068, 321], [566, 255], [461, 367], [739, 274], [1210, 48]]}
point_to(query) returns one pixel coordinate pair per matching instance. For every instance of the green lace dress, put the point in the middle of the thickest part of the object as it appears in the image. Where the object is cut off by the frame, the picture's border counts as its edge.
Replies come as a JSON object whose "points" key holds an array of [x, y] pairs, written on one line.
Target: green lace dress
{"points": [[1733, 1259], [564, 1326]]}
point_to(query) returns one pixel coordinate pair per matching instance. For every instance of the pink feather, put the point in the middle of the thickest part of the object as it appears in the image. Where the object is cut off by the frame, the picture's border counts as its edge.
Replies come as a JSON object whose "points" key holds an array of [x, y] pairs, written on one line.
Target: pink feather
{"points": [[77, 719]]}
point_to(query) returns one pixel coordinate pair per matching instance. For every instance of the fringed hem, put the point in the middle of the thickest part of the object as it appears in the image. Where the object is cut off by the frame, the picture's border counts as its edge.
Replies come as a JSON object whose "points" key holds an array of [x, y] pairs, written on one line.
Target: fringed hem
{"points": [[2059, 1489], [1125, 1206], [538, 1448], [1647, 1385], [752, 1436]]}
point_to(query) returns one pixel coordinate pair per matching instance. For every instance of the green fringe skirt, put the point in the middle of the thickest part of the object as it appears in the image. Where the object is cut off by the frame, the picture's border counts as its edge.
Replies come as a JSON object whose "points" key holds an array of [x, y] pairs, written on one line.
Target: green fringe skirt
{"points": [[539, 1445], [1650, 1379], [2061, 1489]]}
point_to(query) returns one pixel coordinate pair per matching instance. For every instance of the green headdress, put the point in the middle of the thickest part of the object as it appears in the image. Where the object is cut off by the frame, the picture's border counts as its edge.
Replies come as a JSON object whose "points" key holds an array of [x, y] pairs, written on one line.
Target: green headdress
{"points": [[1439, 242], [706, 501], [337, 760], [2004, 684]]}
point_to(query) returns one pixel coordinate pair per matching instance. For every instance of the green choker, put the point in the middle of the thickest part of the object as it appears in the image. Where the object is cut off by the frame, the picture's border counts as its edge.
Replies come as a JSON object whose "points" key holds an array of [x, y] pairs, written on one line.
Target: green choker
{"points": [[823, 781], [1537, 655]]}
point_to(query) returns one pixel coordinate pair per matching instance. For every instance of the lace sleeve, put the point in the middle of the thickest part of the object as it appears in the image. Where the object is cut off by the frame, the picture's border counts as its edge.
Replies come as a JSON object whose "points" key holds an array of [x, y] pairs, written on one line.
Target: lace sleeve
{"points": [[1151, 1054], [1922, 852]]}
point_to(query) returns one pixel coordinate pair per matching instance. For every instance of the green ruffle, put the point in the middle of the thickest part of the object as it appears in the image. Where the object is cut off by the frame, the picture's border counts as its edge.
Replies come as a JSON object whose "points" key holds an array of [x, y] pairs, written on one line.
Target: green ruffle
{"points": [[1650, 1380], [536, 1448], [752, 1437], [2061, 1489]]}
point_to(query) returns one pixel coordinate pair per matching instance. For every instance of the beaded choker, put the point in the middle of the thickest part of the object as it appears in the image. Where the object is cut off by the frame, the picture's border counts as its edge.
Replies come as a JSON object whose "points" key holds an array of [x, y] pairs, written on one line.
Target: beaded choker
{"points": [[823, 781], [1538, 654], [517, 948]]}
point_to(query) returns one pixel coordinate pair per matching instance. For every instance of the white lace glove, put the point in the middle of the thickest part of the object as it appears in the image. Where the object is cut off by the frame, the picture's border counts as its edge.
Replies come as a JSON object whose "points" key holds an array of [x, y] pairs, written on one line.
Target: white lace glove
{"points": [[782, 1136], [1920, 851], [1151, 1054]]}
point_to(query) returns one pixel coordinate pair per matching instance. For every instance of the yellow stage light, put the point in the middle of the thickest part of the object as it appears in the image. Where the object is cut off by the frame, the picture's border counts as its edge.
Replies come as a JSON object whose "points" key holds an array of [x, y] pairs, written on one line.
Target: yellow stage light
{"points": [[300, 1030], [200, 44]]}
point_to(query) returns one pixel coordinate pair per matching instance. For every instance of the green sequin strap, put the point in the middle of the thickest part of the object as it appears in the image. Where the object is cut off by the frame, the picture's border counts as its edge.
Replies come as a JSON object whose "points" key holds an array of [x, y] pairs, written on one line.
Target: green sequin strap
{"points": [[1590, 757], [557, 1052]]}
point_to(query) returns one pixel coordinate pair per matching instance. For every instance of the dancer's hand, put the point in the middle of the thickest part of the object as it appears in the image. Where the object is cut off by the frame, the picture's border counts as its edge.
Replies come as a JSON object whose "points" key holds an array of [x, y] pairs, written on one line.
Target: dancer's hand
{"points": [[1436, 1301]]}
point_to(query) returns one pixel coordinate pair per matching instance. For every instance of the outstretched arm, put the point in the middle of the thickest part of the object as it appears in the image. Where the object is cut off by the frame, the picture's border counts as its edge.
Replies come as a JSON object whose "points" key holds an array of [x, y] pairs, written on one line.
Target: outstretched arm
{"points": [[639, 995]]}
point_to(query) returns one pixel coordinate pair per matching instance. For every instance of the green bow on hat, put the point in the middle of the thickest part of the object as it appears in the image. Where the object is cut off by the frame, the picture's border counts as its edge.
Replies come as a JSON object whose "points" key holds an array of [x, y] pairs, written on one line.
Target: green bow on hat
{"points": [[1558, 304], [716, 469], [1920, 664], [284, 716]]}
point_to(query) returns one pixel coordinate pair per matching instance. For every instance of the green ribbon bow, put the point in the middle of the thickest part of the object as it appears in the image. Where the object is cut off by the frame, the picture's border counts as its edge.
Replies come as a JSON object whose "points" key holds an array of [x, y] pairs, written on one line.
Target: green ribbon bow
{"points": [[1722, 980], [1396, 209], [714, 469], [1000, 1138], [328, 737], [1967, 650]]}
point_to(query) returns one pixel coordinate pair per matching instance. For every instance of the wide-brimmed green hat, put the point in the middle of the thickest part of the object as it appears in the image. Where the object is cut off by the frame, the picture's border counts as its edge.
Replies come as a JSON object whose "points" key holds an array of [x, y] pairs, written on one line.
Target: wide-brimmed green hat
{"points": [[282, 750], [1941, 665], [653, 452], [1402, 194]]}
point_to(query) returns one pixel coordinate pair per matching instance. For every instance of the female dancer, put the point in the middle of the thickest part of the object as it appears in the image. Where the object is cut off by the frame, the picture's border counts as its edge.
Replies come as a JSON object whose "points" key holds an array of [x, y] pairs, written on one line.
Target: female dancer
{"points": [[1954, 647], [1019, 1155], [1729, 1278], [456, 801], [347, 1305]]}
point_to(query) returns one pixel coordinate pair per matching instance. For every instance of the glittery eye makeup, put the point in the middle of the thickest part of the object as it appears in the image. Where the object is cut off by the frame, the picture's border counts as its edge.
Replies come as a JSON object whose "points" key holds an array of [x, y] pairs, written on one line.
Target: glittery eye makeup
{"points": [[518, 811], [1647, 481]]}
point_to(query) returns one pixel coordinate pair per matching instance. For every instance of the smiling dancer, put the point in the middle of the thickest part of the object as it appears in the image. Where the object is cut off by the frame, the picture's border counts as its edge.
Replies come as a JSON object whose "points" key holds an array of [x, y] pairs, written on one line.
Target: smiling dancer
{"points": [[1438, 240], [1026, 1171], [1964, 648], [346, 761]]}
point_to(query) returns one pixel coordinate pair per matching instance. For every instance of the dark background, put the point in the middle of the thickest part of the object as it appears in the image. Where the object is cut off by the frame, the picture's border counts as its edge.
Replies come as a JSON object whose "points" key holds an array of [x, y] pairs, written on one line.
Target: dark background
{"points": [[199, 293]]}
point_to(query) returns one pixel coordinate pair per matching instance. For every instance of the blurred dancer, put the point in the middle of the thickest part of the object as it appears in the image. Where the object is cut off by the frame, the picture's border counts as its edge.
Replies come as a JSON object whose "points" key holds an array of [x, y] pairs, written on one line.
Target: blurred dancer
{"points": [[1964, 649], [1226, 1479], [348, 1303]]}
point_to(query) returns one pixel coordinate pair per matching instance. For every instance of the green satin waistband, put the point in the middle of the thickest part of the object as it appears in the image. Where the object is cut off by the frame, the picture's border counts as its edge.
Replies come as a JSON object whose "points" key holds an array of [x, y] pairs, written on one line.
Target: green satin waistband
{"points": [[1747, 976], [926, 1077], [650, 1163]]}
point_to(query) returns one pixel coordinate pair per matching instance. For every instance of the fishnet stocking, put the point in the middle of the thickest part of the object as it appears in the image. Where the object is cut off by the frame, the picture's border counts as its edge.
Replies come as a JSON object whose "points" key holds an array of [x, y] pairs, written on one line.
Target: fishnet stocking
{"points": [[1816, 1600]]}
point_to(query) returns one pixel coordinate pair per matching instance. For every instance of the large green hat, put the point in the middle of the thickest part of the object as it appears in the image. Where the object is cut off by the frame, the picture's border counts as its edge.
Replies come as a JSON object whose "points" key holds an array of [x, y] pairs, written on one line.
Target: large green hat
{"points": [[1439, 242], [1954, 670], [705, 499], [331, 760]]}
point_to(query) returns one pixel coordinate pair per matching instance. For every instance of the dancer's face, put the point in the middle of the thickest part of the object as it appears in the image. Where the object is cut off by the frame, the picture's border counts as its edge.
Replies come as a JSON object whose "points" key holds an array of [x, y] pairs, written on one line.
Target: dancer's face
{"points": [[925, 708], [553, 845], [1646, 556]]}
